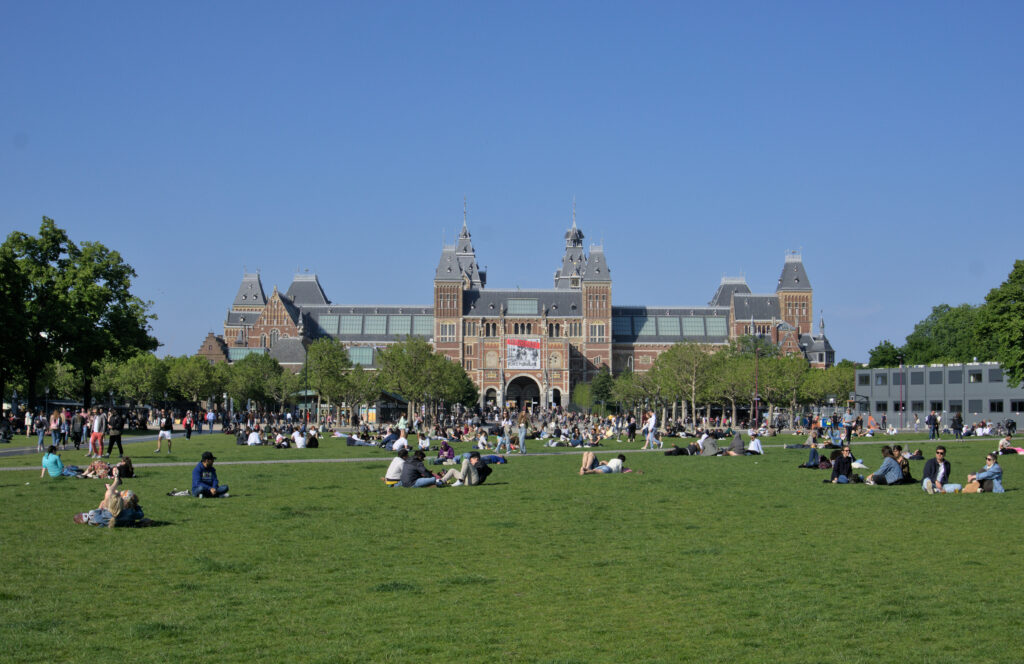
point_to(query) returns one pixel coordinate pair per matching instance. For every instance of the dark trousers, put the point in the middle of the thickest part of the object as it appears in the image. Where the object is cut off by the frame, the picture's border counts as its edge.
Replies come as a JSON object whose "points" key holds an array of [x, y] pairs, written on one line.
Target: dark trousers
{"points": [[115, 438]]}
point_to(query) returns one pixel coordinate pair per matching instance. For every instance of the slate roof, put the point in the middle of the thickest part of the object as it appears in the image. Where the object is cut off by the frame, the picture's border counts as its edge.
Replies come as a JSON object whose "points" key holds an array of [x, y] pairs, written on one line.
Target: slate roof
{"points": [[305, 291], [459, 260], [754, 306], [815, 343], [288, 351], [250, 293], [596, 268], [490, 303], [728, 286], [241, 318], [793, 277], [574, 262]]}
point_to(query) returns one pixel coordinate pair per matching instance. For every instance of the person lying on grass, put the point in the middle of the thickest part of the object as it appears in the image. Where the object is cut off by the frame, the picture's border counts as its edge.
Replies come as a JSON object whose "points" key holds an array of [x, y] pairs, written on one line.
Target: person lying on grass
{"points": [[591, 466], [474, 471], [117, 509], [204, 479], [889, 472]]}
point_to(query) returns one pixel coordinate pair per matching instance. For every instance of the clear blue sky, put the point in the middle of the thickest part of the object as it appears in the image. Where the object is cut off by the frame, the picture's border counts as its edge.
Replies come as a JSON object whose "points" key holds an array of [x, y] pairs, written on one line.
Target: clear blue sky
{"points": [[699, 139]]}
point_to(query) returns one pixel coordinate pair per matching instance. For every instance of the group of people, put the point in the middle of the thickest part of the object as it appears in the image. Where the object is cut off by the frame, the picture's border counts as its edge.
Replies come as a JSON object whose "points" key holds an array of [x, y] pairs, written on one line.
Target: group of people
{"points": [[412, 473]]}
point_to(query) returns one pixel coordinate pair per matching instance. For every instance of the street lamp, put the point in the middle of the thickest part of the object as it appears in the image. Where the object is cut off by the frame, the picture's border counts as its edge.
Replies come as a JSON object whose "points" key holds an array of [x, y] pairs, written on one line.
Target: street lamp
{"points": [[900, 358], [46, 400]]}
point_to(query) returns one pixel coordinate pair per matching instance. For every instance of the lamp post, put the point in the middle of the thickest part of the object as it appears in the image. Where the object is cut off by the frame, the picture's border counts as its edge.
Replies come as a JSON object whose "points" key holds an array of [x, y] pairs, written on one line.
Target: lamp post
{"points": [[110, 393], [900, 358], [46, 400], [757, 389], [14, 403]]}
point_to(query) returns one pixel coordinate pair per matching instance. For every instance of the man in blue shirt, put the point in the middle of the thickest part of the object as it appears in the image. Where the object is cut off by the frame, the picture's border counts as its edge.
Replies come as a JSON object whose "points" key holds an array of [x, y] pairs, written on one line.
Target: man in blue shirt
{"points": [[204, 479], [889, 472]]}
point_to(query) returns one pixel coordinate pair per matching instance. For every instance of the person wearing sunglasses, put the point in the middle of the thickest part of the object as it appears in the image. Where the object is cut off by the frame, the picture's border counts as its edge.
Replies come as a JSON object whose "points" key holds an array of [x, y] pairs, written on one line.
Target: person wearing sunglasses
{"points": [[988, 479], [937, 472]]}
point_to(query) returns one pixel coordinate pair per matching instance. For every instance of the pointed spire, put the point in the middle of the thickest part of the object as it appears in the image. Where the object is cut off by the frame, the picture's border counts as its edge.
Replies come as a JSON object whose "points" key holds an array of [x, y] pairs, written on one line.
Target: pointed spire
{"points": [[464, 210], [574, 211], [821, 325]]}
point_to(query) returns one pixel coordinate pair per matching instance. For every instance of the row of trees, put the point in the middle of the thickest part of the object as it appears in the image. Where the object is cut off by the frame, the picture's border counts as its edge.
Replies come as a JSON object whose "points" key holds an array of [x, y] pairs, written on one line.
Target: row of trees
{"points": [[65, 304], [410, 368], [732, 377], [993, 331]]}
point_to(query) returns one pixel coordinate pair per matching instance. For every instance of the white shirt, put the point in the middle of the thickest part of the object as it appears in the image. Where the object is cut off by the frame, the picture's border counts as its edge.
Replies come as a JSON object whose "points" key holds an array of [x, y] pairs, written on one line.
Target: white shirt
{"points": [[755, 445], [400, 444], [652, 421], [395, 469], [254, 439], [615, 464], [424, 442], [300, 440]]}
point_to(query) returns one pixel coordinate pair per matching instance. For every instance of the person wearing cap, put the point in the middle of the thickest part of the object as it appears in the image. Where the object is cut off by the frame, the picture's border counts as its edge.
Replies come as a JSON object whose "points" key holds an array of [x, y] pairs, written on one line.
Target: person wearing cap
{"points": [[204, 479]]}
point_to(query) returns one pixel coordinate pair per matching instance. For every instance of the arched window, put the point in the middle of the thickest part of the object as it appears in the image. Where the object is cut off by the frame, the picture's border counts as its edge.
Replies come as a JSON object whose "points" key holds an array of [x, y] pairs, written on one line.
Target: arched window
{"points": [[263, 341], [273, 337]]}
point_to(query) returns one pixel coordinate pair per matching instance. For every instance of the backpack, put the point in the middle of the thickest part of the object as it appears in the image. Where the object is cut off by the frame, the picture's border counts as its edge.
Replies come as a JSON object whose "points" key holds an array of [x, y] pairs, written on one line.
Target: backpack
{"points": [[824, 464]]}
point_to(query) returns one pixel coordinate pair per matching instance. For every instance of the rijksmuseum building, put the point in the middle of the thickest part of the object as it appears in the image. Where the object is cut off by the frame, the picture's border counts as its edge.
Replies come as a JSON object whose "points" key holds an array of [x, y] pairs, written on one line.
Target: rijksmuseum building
{"points": [[517, 345]]}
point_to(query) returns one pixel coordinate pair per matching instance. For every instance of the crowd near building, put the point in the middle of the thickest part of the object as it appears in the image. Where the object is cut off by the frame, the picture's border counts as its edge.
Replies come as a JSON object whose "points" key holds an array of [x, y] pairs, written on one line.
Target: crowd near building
{"points": [[522, 346]]}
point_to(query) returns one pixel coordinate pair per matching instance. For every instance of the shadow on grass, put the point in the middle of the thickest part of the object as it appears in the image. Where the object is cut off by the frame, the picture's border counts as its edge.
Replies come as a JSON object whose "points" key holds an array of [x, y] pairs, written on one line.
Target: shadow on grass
{"points": [[395, 587]]}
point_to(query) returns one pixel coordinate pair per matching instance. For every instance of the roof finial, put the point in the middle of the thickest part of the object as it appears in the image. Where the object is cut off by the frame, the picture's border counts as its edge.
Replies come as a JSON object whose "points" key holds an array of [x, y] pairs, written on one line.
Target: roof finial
{"points": [[574, 210], [821, 324], [464, 213]]}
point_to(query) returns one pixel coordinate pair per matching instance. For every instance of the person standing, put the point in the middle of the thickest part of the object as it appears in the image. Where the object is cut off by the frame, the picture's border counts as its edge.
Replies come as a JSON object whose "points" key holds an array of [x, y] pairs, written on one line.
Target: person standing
{"points": [[524, 422], [958, 426], [649, 427], [506, 434], [166, 431], [99, 429], [933, 426], [187, 423], [631, 428], [848, 422], [210, 418], [115, 424]]}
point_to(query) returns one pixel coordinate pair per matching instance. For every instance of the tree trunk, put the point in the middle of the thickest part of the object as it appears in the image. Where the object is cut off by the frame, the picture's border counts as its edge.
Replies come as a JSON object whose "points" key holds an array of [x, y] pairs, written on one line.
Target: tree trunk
{"points": [[86, 390], [732, 422]]}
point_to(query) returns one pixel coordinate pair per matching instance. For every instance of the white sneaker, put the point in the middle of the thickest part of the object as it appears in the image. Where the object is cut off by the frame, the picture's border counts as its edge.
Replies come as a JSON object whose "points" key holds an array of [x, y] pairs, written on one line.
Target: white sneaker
{"points": [[928, 486], [458, 483]]}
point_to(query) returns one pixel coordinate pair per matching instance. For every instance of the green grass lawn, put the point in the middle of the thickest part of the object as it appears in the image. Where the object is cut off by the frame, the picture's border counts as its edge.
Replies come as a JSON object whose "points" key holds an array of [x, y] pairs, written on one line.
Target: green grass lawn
{"points": [[697, 559]]}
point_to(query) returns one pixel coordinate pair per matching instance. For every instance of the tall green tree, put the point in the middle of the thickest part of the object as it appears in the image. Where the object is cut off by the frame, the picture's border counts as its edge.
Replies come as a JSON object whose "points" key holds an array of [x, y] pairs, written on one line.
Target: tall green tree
{"points": [[189, 377], [1003, 322], [885, 354], [327, 363], [732, 379], [407, 368], [684, 371], [601, 385], [15, 342], [75, 305], [143, 378], [949, 334], [361, 386], [255, 377]]}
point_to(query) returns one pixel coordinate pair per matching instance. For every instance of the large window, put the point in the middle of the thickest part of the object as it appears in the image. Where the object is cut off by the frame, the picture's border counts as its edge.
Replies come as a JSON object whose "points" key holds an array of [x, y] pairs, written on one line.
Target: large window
{"points": [[917, 378], [955, 376], [995, 406], [995, 375], [882, 406], [597, 332], [376, 325], [975, 376], [351, 324], [401, 325], [329, 324], [361, 355], [864, 379], [447, 332], [956, 406], [897, 378], [974, 406], [423, 325], [936, 406], [693, 327], [668, 326], [522, 307], [622, 325], [644, 326], [881, 379], [717, 327], [1016, 405], [917, 406], [935, 378]]}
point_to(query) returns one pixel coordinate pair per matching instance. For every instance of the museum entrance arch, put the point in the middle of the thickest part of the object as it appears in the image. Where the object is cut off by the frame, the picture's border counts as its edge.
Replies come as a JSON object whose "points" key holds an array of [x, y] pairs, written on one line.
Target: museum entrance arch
{"points": [[491, 397], [556, 397], [523, 391]]}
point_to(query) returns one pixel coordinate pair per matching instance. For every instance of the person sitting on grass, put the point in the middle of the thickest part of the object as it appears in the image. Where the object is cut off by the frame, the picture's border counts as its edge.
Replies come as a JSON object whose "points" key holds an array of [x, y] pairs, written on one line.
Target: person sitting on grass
{"points": [[989, 479], [937, 472], [117, 509], [906, 477], [474, 471], [709, 446], [889, 472], [1006, 446], [204, 479], [415, 475], [591, 466], [52, 464], [842, 467], [252, 437], [754, 446], [313, 438], [445, 454], [736, 446], [394, 473]]}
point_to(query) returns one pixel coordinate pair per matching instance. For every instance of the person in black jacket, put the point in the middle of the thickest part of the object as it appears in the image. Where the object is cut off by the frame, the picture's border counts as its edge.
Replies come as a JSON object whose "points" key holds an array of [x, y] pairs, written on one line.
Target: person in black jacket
{"points": [[842, 467], [415, 474], [936, 472]]}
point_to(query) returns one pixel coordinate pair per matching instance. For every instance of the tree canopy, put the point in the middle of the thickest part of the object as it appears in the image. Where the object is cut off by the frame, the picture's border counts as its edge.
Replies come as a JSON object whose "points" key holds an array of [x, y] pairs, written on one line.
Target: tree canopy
{"points": [[1003, 323]]}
